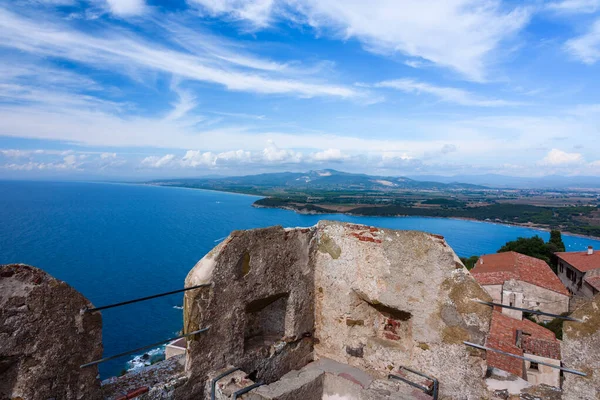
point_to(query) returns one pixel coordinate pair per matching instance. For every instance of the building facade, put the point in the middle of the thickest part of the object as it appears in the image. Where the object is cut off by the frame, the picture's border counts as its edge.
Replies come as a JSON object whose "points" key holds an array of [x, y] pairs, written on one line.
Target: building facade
{"points": [[579, 271], [518, 280]]}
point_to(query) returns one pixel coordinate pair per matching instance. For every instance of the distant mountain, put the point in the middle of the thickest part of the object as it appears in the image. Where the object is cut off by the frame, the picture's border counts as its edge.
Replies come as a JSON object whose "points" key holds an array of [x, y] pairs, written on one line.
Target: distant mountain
{"points": [[327, 179], [503, 181]]}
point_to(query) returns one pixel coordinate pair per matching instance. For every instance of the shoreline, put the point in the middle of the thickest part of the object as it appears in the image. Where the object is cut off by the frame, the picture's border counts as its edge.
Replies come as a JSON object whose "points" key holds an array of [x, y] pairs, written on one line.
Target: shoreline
{"points": [[299, 211], [504, 223]]}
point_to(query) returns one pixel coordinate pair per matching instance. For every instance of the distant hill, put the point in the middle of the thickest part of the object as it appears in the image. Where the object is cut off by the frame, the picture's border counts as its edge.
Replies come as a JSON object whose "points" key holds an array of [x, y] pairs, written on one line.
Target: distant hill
{"points": [[327, 179], [503, 181]]}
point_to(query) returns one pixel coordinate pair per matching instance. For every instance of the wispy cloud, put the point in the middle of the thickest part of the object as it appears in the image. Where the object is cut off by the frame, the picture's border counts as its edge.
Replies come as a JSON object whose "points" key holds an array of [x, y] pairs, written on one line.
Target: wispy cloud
{"points": [[574, 6], [446, 94], [126, 8], [119, 52], [586, 47], [256, 12], [456, 34]]}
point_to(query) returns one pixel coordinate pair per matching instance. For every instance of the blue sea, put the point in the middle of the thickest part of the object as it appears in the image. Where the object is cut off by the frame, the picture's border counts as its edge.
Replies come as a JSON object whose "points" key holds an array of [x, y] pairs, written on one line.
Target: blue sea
{"points": [[114, 242]]}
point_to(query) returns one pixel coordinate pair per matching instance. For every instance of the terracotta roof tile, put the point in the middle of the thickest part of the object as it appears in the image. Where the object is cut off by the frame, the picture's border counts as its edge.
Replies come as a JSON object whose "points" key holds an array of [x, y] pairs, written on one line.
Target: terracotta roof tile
{"points": [[503, 336], [541, 347], [594, 282], [581, 259], [500, 267]]}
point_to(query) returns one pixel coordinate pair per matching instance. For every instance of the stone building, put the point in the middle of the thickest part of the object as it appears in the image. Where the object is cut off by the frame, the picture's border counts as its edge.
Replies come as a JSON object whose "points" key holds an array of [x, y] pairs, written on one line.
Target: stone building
{"points": [[524, 338], [580, 272], [521, 281]]}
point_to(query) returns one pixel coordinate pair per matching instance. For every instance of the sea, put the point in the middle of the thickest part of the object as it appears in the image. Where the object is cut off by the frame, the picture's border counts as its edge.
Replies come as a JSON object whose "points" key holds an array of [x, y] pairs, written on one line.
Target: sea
{"points": [[115, 242]]}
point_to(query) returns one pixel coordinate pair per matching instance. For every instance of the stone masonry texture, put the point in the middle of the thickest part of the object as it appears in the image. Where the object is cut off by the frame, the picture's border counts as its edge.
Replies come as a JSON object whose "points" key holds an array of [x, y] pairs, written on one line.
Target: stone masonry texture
{"points": [[44, 338]]}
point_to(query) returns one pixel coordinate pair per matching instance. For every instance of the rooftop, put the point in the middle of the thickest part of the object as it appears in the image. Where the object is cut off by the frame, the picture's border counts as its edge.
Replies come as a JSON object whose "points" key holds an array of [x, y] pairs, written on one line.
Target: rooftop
{"points": [[495, 269], [593, 281], [581, 260], [536, 340]]}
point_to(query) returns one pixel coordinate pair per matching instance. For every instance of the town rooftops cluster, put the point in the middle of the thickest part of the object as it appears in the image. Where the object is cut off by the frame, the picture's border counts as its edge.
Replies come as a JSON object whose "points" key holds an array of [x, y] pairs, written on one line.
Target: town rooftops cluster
{"points": [[495, 269]]}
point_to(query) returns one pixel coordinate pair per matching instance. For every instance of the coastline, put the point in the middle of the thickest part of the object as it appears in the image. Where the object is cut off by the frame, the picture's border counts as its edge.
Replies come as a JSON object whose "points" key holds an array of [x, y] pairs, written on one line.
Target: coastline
{"points": [[314, 212], [505, 223]]}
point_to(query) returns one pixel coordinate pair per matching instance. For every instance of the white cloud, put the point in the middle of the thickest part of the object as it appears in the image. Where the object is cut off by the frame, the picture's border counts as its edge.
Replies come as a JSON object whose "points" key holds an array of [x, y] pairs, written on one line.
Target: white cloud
{"points": [[158, 162], [575, 6], [14, 153], [458, 34], [196, 158], [126, 8], [127, 53], [108, 156], [586, 48], [257, 12], [272, 153], [446, 94], [329, 155], [559, 157]]}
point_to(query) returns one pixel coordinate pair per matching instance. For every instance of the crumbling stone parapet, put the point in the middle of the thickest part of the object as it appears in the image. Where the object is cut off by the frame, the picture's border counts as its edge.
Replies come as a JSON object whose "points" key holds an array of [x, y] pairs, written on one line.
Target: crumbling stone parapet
{"points": [[580, 350], [45, 337]]}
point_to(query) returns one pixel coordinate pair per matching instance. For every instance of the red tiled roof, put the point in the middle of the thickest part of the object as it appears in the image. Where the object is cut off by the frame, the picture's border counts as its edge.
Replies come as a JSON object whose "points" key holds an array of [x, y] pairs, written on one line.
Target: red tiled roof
{"points": [[541, 347], [500, 267], [594, 282], [503, 336], [581, 259]]}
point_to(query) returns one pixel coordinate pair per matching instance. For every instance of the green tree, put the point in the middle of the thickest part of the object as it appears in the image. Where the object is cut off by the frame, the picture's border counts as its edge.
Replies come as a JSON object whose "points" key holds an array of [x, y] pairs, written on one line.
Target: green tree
{"points": [[556, 243], [469, 262], [534, 247]]}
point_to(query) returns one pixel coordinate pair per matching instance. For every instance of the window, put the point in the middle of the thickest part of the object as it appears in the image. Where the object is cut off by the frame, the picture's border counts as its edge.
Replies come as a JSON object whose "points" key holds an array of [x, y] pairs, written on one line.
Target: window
{"points": [[534, 366], [561, 267]]}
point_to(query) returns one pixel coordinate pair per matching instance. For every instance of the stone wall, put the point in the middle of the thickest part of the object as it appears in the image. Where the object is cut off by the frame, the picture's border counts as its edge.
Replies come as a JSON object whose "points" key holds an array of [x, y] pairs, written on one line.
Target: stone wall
{"points": [[495, 291], [581, 351], [388, 298], [549, 300], [44, 338], [370, 298], [260, 306]]}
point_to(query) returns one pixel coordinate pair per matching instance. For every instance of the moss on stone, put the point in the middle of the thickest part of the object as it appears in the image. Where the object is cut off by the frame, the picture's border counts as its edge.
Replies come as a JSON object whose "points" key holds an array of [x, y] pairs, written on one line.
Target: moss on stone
{"points": [[355, 322], [454, 335], [423, 346], [590, 314], [463, 293], [327, 245], [245, 263]]}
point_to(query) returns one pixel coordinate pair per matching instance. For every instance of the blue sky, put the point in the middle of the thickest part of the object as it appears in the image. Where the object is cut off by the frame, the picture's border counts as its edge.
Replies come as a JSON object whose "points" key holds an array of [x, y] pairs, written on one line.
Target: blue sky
{"points": [[148, 88]]}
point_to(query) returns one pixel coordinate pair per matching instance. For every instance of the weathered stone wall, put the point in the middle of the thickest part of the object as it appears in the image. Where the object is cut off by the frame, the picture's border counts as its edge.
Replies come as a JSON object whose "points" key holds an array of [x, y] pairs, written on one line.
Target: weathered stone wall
{"points": [[495, 291], [389, 298], [260, 307], [44, 338], [549, 300], [580, 350], [374, 299]]}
